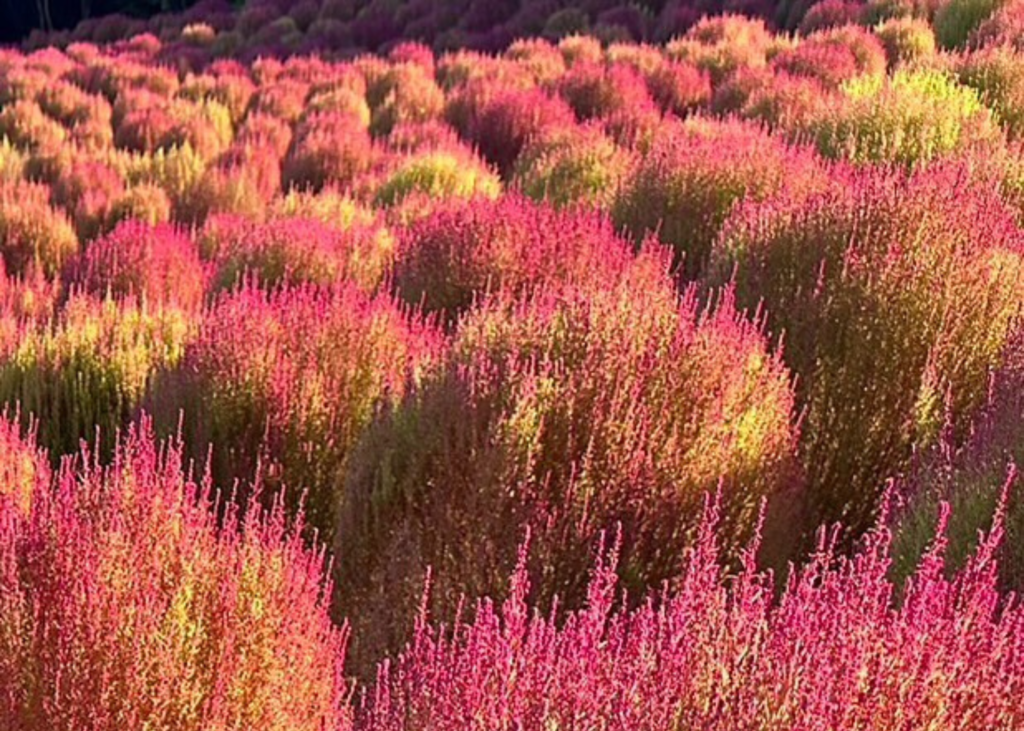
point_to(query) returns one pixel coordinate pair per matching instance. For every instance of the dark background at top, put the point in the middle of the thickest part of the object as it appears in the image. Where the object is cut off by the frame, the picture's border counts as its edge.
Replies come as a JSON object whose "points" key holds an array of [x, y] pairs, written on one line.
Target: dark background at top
{"points": [[19, 17]]}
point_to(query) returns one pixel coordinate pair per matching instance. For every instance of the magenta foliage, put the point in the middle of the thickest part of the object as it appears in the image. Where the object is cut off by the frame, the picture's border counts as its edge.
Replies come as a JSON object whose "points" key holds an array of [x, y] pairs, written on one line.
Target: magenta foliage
{"points": [[466, 249], [835, 651], [159, 264], [124, 604]]}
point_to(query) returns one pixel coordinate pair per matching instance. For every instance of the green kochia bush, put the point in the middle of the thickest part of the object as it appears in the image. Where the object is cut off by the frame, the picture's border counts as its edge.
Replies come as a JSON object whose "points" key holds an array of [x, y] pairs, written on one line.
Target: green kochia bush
{"points": [[909, 118], [563, 413], [91, 368], [894, 294], [971, 480], [956, 19]]}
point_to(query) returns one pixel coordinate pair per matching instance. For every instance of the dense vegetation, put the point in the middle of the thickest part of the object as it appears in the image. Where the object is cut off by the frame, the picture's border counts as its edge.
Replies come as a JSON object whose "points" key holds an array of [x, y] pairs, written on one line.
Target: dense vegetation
{"points": [[393, 366]]}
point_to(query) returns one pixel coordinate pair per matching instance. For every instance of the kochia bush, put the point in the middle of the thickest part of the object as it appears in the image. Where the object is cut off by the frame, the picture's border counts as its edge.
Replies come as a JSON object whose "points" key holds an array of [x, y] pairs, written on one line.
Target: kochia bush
{"points": [[722, 652], [895, 295], [125, 601], [465, 250], [562, 413], [685, 187], [577, 164], [90, 368], [24, 467], [909, 118], [290, 378], [296, 250], [157, 264]]}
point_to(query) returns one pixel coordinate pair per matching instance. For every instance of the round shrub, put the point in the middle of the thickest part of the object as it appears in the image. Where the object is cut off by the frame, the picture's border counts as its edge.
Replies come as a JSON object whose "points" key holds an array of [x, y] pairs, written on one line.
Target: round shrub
{"points": [[243, 180], [290, 378], [722, 44], [686, 186], [909, 118], [90, 368], [778, 100], [580, 49], [543, 60], [406, 93], [830, 14], [896, 294], [328, 149], [145, 202], [829, 63], [28, 127], [906, 40], [572, 164], [410, 137], [33, 235], [341, 99], [679, 87], [466, 250], [438, 173], [157, 264], [834, 56], [595, 90], [330, 207], [285, 99], [563, 414], [87, 191], [147, 130], [955, 20], [1005, 27], [125, 597], [510, 118], [998, 76], [298, 250]]}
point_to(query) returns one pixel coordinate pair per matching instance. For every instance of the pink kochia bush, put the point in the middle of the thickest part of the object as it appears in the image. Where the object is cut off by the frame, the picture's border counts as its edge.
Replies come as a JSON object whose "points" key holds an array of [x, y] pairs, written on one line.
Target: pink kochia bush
{"points": [[125, 603], [157, 264], [291, 377], [465, 250], [564, 412], [839, 649], [685, 187]]}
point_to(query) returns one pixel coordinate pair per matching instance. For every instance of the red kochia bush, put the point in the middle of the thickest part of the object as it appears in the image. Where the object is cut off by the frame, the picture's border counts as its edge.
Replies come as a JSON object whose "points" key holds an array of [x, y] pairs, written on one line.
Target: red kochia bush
{"points": [[158, 264], [292, 377], [895, 295], [329, 148], [835, 651], [510, 117], [125, 604], [563, 412], [466, 249], [596, 90]]}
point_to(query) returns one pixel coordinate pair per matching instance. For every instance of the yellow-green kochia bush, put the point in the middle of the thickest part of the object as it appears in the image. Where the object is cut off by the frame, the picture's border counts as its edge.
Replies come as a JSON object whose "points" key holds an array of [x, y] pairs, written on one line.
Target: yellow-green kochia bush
{"points": [[685, 187], [909, 118], [90, 367], [565, 413], [894, 294]]}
